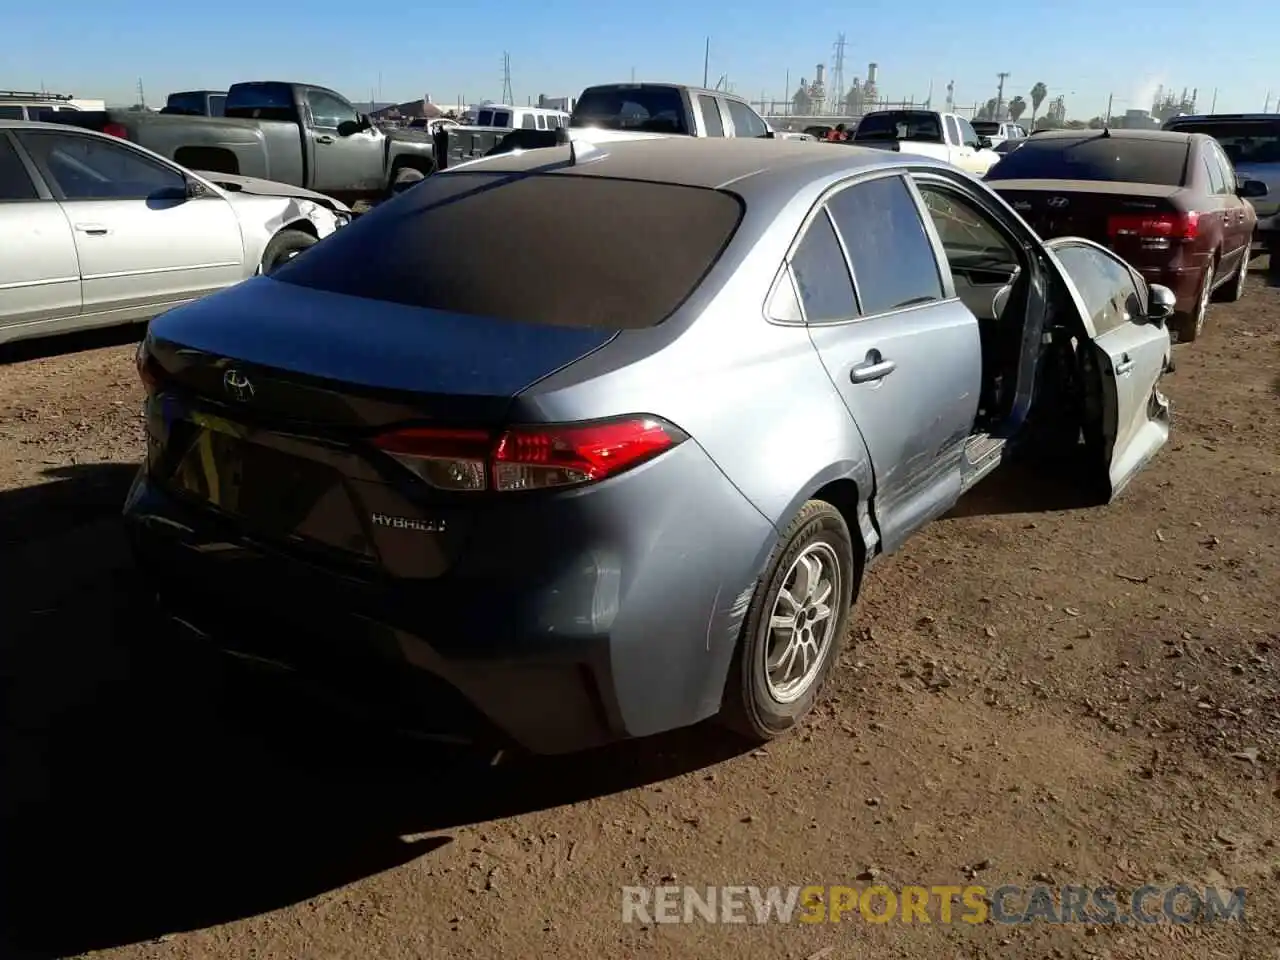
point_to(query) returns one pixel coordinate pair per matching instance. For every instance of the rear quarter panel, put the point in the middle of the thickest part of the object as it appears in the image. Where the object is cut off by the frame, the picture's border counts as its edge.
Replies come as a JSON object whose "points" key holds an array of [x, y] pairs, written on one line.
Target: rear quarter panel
{"points": [[752, 393]]}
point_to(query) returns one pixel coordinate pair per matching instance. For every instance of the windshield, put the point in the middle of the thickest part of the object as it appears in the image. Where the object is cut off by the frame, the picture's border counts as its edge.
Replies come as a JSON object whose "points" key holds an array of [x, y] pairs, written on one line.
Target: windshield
{"points": [[986, 128], [1116, 159], [900, 125], [648, 108], [1243, 141], [577, 251]]}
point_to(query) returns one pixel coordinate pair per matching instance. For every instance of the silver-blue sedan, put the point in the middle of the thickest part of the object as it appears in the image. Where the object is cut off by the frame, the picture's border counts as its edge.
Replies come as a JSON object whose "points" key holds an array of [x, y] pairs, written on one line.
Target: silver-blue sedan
{"points": [[597, 441]]}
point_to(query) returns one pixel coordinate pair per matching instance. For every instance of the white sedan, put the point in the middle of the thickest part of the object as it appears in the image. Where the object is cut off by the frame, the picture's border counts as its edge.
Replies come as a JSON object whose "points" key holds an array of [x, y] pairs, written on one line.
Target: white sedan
{"points": [[99, 231]]}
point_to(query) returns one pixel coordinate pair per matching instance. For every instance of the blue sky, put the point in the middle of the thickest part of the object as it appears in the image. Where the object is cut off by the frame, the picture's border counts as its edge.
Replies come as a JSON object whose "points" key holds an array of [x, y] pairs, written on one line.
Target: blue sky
{"points": [[452, 49]]}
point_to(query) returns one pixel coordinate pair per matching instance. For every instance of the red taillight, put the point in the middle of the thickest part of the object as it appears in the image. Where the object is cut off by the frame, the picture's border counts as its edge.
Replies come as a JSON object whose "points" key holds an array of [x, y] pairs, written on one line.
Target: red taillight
{"points": [[529, 457], [116, 130], [1155, 226]]}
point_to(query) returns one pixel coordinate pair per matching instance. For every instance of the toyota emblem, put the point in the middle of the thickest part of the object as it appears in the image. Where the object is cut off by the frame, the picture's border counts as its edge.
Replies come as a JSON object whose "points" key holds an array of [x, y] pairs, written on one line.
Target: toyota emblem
{"points": [[237, 385], [1058, 202]]}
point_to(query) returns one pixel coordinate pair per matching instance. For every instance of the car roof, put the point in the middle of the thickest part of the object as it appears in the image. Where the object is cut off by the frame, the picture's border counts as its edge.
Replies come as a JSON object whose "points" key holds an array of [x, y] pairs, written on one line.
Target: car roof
{"points": [[1118, 133], [698, 161], [669, 84], [41, 125], [1221, 117]]}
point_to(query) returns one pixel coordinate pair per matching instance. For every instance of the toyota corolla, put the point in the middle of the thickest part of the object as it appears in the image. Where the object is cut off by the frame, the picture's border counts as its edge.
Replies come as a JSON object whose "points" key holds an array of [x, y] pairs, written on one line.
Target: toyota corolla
{"points": [[599, 441]]}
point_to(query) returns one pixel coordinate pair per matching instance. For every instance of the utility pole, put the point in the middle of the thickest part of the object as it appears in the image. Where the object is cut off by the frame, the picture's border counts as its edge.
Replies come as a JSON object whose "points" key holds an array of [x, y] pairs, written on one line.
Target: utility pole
{"points": [[1214, 105], [706, 63], [1003, 75], [142, 97], [1266, 107], [633, 74], [1106, 121]]}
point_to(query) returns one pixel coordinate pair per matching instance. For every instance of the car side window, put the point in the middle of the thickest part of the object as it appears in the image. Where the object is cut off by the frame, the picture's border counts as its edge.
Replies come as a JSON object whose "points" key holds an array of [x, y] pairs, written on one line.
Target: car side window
{"points": [[15, 182], [328, 111], [968, 136], [893, 260], [711, 118], [93, 168], [953, 130], [1106, 286], [10, 111], [745, 121], [526, 122], [1217, 185], [967, 232], [822, 275], [1228, 170]]}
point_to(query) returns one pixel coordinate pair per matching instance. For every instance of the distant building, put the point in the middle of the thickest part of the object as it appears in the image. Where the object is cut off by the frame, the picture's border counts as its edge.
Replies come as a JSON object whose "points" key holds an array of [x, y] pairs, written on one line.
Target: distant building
{"points": [[557, 103]]}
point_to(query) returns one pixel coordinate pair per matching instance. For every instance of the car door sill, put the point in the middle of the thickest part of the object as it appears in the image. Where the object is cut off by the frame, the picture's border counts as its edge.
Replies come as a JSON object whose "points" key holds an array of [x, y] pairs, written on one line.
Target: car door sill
{"points": [[982, 454]]}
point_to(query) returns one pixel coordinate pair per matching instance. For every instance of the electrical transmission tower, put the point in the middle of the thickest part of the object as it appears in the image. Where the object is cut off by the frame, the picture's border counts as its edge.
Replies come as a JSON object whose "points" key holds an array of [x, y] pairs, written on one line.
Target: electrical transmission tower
{"points": [[836, 97], [507, 95], [142, 98], [1000, 95]]}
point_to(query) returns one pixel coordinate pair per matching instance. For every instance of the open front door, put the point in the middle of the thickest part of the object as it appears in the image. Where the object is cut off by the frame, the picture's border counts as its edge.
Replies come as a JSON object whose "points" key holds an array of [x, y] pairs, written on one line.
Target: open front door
{"points": [[1127, 418]]}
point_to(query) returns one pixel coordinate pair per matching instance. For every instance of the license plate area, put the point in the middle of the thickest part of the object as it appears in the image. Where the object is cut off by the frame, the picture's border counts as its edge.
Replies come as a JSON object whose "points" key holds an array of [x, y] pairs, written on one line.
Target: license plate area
{"points": [[274, 494]]}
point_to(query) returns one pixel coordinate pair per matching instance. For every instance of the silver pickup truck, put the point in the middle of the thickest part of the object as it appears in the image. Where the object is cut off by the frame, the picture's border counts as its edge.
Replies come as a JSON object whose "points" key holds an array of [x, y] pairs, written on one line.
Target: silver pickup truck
{"points": [[1252, 142]]}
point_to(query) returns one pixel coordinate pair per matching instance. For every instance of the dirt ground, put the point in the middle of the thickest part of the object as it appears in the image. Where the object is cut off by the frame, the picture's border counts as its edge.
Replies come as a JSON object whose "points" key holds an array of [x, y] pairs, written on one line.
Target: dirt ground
{"points": [[1066, 696]]}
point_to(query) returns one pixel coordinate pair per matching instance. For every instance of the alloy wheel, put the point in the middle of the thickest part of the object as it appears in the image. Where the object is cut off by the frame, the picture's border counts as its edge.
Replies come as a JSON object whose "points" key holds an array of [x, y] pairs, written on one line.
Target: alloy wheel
{"points": [[802, 622]]}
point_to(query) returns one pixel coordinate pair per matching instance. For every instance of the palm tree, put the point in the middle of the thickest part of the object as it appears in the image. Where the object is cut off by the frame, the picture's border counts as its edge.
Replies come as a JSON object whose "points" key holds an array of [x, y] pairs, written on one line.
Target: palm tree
{"points": [[1017, 107], [1038, 93]]}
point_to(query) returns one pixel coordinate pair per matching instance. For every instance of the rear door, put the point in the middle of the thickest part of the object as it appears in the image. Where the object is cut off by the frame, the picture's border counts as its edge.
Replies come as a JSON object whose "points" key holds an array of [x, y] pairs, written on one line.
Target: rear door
{"points": [[142, 243], [39, 273], [1131, 354], [904, 357], [1238, 219]]}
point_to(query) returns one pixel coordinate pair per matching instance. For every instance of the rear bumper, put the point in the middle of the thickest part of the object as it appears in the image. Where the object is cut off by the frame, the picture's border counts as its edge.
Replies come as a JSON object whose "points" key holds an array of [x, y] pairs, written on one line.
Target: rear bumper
{"points": [[580, 640], [1183, 281]]}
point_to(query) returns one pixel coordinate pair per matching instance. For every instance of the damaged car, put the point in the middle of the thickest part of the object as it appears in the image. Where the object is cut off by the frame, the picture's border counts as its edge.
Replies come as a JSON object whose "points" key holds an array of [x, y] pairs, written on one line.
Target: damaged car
{"points": [[638, 484], [99, 231]]}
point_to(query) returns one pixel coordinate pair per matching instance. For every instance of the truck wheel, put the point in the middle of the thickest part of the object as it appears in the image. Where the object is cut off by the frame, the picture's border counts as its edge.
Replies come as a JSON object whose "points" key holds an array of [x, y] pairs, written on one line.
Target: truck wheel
{"points": [[794, 627], [284, 246]]}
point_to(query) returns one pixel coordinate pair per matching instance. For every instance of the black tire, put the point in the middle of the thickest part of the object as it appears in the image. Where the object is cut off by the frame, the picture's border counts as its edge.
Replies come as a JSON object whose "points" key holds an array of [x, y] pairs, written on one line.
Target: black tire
{"points": [[284, 246], [750, 707], [1233, 290], [403, 178], [1191, 324]]}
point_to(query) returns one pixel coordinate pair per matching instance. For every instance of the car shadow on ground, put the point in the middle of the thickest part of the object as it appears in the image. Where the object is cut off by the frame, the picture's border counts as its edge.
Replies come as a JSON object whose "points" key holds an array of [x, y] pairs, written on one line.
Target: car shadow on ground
{"points": [[1024, 487], [39, 348], [151, 786]]}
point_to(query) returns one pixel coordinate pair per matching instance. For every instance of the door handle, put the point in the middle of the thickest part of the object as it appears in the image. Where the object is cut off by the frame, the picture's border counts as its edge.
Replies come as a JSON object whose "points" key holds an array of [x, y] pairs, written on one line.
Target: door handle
{"points": [[875, 367], [93, 229], [324, 138], [1125, 366]]}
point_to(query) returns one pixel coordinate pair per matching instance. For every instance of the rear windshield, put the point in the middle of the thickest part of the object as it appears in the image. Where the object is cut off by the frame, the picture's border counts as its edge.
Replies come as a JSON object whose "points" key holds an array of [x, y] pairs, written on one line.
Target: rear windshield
{"points": [[1243, 141], [1118, 159], [900, 125], [986, 128], [650, 109], [568, 250], [260, 96]]}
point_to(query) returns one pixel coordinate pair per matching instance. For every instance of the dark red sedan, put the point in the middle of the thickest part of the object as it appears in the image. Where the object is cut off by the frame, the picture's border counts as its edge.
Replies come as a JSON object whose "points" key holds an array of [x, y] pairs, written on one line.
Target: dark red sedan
{"points": [[1168, 203]]}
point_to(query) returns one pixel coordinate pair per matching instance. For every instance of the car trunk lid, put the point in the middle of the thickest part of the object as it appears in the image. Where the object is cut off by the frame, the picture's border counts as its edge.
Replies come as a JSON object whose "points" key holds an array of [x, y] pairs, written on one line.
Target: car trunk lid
{"points": [[1086, 208], [268, 403]]}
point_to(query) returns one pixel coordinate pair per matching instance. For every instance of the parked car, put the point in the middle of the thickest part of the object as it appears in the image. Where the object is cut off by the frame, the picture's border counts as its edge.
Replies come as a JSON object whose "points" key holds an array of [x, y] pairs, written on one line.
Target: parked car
{"points": [[928, 133], [35, 105], [295, 133], [98, 231], [197, 103], [1251, 142], [1168, 203], [999, 131], [648, 495]]}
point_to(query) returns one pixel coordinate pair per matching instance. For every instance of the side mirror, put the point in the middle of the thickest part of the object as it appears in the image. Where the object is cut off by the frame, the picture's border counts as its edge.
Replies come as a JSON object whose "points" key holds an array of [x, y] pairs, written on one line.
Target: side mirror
{"points": [[347, 127], [984, 143], [1160, 304], [1251, 189]]}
